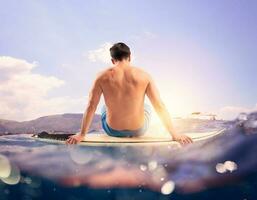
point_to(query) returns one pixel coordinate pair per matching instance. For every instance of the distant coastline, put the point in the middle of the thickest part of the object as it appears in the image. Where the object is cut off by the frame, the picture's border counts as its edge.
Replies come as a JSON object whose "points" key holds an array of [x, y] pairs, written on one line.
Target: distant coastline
{"points": [[71, 123], [67, 122]]}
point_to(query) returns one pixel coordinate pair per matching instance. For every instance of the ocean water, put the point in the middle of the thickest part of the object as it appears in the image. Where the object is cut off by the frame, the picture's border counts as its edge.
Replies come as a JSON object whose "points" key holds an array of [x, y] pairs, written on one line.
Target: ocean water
{"points": [[223, 167]]}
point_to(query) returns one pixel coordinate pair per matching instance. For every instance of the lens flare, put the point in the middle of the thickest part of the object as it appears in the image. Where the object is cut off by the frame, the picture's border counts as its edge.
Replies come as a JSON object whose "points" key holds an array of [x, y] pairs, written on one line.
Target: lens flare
{"points": [[168, 187], [227, 166], [5, 167], [143, 167], [152, 165], [14, 176], [220, 168], [80, 156], [230, 166]]}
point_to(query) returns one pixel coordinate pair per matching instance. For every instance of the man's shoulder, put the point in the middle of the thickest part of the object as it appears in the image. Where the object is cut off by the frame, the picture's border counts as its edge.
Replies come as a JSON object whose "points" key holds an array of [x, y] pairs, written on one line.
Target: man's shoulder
{"points": [[104, 73], [141, 71]]}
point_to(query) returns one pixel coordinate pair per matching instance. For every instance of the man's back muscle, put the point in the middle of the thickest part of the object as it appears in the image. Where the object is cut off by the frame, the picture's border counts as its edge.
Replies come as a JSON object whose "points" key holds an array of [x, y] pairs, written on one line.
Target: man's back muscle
{"points": [[124, 90]]}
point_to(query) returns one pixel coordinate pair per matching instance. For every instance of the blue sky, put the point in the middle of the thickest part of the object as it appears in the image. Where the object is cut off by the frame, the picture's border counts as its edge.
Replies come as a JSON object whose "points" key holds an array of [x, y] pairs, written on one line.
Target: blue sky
{"points": [[202, 54]]}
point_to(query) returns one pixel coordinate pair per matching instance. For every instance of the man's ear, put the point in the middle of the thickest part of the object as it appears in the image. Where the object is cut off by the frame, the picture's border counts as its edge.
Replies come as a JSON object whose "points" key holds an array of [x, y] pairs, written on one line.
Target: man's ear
{"points": [[129, 59], [113, 61]]}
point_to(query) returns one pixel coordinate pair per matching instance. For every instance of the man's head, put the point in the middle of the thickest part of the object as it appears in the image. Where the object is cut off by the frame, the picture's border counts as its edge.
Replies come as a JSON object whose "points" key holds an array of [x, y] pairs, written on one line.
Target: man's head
{"points": [[120, 51]]}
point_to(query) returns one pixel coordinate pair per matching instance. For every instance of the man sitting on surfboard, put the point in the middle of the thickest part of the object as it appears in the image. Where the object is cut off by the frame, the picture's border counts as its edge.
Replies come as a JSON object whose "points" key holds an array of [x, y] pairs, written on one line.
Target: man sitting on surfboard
{"points": [[124, 88]]}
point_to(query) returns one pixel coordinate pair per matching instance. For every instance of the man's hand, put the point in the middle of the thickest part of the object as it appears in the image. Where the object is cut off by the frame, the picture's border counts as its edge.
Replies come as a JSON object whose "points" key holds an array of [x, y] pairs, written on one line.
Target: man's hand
{"points": [[182, 139], [74, 139]]}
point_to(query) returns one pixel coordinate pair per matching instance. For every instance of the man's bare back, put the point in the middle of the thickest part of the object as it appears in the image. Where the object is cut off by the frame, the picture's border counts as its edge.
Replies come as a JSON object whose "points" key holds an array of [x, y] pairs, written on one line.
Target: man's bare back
{"points": [[124, 88]]}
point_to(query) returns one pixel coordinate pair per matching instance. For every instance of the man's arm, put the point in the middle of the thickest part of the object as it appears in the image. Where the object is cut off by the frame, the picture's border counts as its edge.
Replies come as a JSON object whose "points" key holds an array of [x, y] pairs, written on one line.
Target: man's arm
{"points": [[94, 98], [154, 96]]}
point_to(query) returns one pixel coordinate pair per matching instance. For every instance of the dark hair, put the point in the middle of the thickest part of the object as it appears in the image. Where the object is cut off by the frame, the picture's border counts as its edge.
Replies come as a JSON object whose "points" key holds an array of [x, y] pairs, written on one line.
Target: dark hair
{"points": [[120, 51]]}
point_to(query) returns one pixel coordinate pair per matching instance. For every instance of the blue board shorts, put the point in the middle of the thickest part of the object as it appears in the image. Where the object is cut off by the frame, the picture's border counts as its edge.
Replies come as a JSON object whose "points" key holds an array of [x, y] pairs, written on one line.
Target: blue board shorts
{"points": [[127, 133]]}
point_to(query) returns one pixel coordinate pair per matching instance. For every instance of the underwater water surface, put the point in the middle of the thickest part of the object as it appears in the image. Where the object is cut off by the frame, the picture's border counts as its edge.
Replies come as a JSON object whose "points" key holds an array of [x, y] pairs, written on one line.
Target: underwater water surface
{"points": [[223, 167]]}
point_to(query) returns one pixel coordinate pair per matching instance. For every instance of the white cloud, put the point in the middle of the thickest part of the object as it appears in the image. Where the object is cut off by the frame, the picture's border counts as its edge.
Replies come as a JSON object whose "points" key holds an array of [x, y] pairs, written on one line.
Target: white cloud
{"points": [[231, 112], [10, 66], [101, 54], [24, 94]]}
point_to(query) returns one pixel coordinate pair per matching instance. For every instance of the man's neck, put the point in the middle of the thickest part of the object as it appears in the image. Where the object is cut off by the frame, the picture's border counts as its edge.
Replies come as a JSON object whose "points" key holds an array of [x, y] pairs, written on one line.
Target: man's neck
{"points": [[122, 64]]}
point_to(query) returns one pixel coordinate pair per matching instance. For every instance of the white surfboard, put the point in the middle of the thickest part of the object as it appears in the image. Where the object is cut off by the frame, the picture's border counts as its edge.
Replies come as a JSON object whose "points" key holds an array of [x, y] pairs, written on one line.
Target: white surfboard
{"points": [[101, 139]]}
